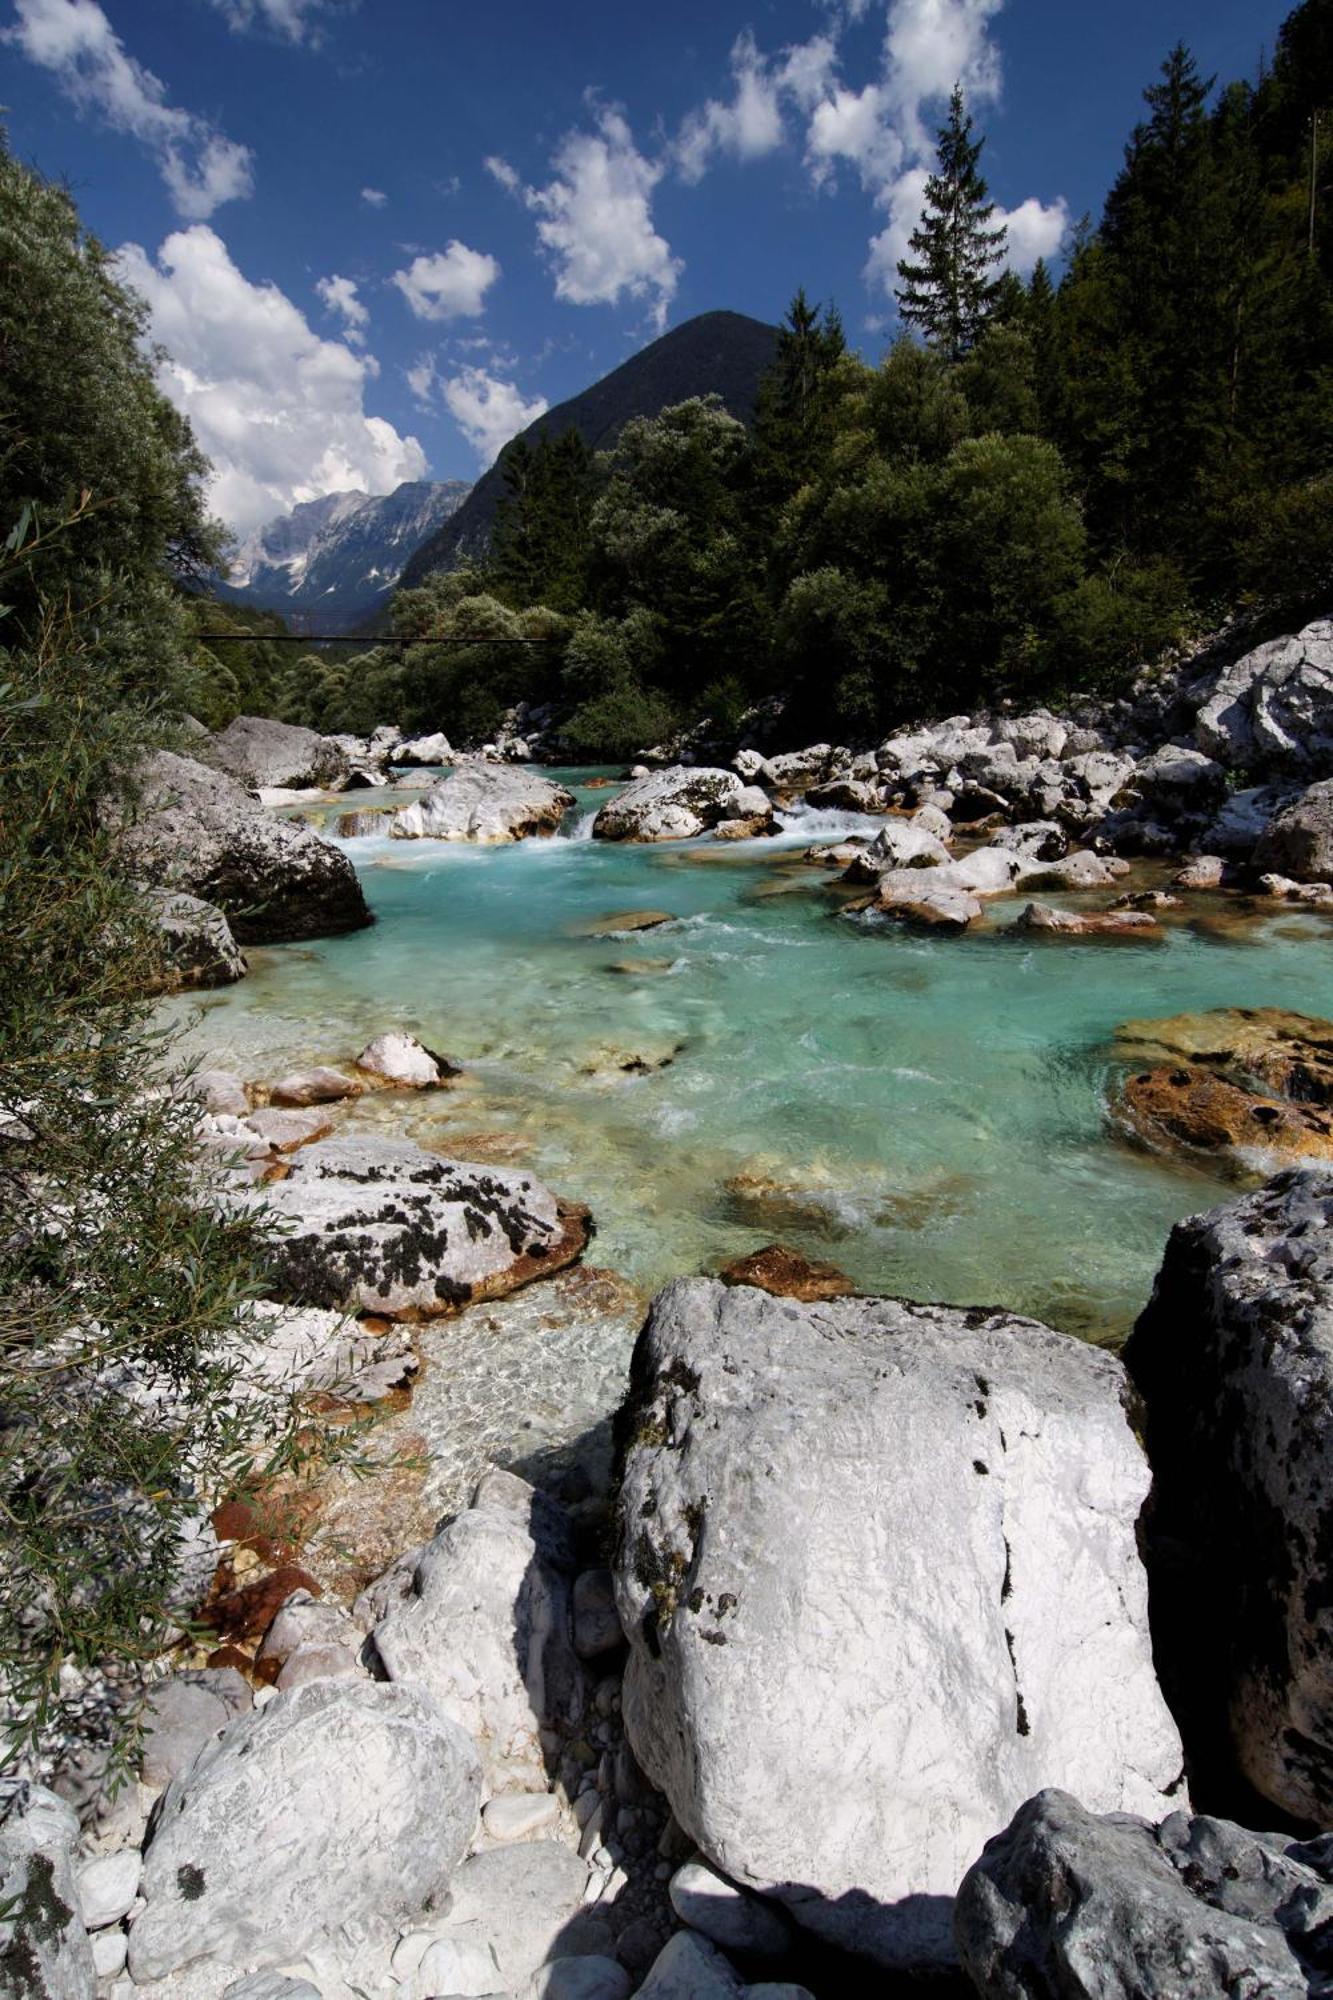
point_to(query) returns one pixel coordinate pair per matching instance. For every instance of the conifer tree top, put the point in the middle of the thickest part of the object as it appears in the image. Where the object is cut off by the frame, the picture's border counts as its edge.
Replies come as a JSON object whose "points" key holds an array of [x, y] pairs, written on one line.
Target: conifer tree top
{"points": [[948, 288]]}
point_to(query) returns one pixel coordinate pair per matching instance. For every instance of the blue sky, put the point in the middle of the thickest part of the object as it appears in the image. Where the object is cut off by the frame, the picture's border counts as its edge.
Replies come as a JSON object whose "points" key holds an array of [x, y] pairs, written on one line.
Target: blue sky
{"points": [[377, 236]]}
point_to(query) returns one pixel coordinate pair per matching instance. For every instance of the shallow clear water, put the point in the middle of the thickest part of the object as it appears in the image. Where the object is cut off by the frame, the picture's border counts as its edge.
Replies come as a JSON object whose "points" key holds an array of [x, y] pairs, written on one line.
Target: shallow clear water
{"points": [[927, 1113]]}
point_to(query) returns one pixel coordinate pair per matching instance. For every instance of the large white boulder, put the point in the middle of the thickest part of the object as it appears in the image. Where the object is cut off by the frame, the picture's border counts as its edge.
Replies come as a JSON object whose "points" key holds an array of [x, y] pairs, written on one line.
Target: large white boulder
{"points": [[345, 1803], [488, 1629], [1271, 713], [1234, 1358], [381, 1225], [879, 1574], [1298, 840], [676, 804], [44, 1948], [484, 803], [265, 754], [200, 831]]}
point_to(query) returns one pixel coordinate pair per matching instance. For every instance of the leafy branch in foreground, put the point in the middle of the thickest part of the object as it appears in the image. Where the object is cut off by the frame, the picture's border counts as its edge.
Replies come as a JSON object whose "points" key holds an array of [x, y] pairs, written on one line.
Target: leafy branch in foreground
{"points": [[130, 1398]]}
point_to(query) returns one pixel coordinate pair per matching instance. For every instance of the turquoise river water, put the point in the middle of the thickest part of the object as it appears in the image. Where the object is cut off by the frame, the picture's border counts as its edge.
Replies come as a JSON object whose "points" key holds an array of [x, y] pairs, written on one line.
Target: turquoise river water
{"points": [[928, 1113]]}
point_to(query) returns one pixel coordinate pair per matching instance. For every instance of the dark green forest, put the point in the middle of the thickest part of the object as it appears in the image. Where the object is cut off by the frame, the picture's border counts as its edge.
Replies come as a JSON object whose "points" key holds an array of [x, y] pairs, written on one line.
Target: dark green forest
{"points": [[1038, 487]]}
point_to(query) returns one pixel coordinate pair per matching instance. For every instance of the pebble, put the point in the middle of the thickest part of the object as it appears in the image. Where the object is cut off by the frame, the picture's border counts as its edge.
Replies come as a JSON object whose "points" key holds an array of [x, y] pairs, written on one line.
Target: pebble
{"points": [[517, 1814], [592, 1830], [110, 1949], [108, 1887]]}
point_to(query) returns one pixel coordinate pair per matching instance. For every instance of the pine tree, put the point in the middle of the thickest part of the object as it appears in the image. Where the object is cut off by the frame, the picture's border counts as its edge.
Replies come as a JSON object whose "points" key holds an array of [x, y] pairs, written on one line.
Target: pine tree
{"points": [[948, 291], [794, 412]]}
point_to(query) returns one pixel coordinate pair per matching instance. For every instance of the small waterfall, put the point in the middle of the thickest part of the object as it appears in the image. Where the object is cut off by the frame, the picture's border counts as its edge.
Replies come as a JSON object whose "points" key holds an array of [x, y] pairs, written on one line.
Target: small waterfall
{"points": [[582, 827]]}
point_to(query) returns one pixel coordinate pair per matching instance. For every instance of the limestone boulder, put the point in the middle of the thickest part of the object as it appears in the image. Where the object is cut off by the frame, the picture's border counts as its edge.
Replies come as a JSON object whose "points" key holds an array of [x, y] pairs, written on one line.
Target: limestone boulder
{"points": [[1233, 1356], [485, 804], [198, 944], [200, 832], [1068, 1902], [434, 748], [679, 803], [879, 1574], [1271, 713], [1189, 1108], [1298, 840], [380, 1225], [488, 1629], [44, 1948], [343, 1802], [264, 754]]}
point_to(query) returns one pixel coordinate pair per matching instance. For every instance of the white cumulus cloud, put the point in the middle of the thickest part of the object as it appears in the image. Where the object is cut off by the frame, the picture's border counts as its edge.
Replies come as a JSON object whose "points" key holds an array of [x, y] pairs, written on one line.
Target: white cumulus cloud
{"points": [[487, 410], [279, 411], [76, 42], [500, 170], [374, 197], [596, 222], [752, 122], [451, 284], [340, 297], [290, 20]]}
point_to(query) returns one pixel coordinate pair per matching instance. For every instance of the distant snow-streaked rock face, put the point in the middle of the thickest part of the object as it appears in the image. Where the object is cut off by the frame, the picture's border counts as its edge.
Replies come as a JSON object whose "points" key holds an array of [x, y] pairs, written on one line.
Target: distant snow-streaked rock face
{"points": [[1233, 1356], [879, 1575], [485, 803], [339, 556]]}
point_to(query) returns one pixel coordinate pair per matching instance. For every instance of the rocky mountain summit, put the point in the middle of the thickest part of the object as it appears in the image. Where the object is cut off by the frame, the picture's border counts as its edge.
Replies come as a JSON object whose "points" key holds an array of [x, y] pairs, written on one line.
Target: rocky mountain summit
{"points": [[334, 561]]}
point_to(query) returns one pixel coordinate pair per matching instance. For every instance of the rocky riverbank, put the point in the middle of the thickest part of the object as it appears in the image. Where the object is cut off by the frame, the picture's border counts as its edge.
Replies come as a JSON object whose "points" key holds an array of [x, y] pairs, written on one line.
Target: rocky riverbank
{"points": [[825, 1643], [858, 1615]]}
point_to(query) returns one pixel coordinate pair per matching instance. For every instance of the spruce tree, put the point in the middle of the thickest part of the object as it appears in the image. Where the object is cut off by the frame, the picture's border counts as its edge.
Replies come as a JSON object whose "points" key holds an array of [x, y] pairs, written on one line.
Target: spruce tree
{"points": [[948, 289]]}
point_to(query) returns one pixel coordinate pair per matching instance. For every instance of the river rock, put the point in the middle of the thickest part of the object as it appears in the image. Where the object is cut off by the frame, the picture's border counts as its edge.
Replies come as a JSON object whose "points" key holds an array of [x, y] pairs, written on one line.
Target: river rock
{"points": [[415, 750], [919, 896], [488, 1629], [198, 945], [220, 1091], [787, 1274], [1243, 819], [285, 1130], [396, 1057], [1064, 1902], [1040, 919], [264, 754], [107, 1886], [1298, 841], [1271, 713], [261, 1849], [596, 1621], [184, 1712], [1081, 870], [305, 1087], [380, 1225], [727, 1916], [44, 1948], [1192, 1109], [1179, 782], [878, 1572], [688, 1967], [201, 832], [1233, 1356], [899, 844], [1288, 1054], [1035, 840], [676, 804], [846, 795], [485, 803], [514, 1907], [1205, 871]]}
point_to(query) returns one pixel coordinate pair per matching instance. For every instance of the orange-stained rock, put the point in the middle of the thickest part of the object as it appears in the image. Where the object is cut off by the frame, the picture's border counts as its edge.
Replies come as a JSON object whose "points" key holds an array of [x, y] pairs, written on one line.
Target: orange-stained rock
{"points": [[1287, 1054], [246, 1613], [787, 1274], [1041, 919], [1189, 1108]]}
